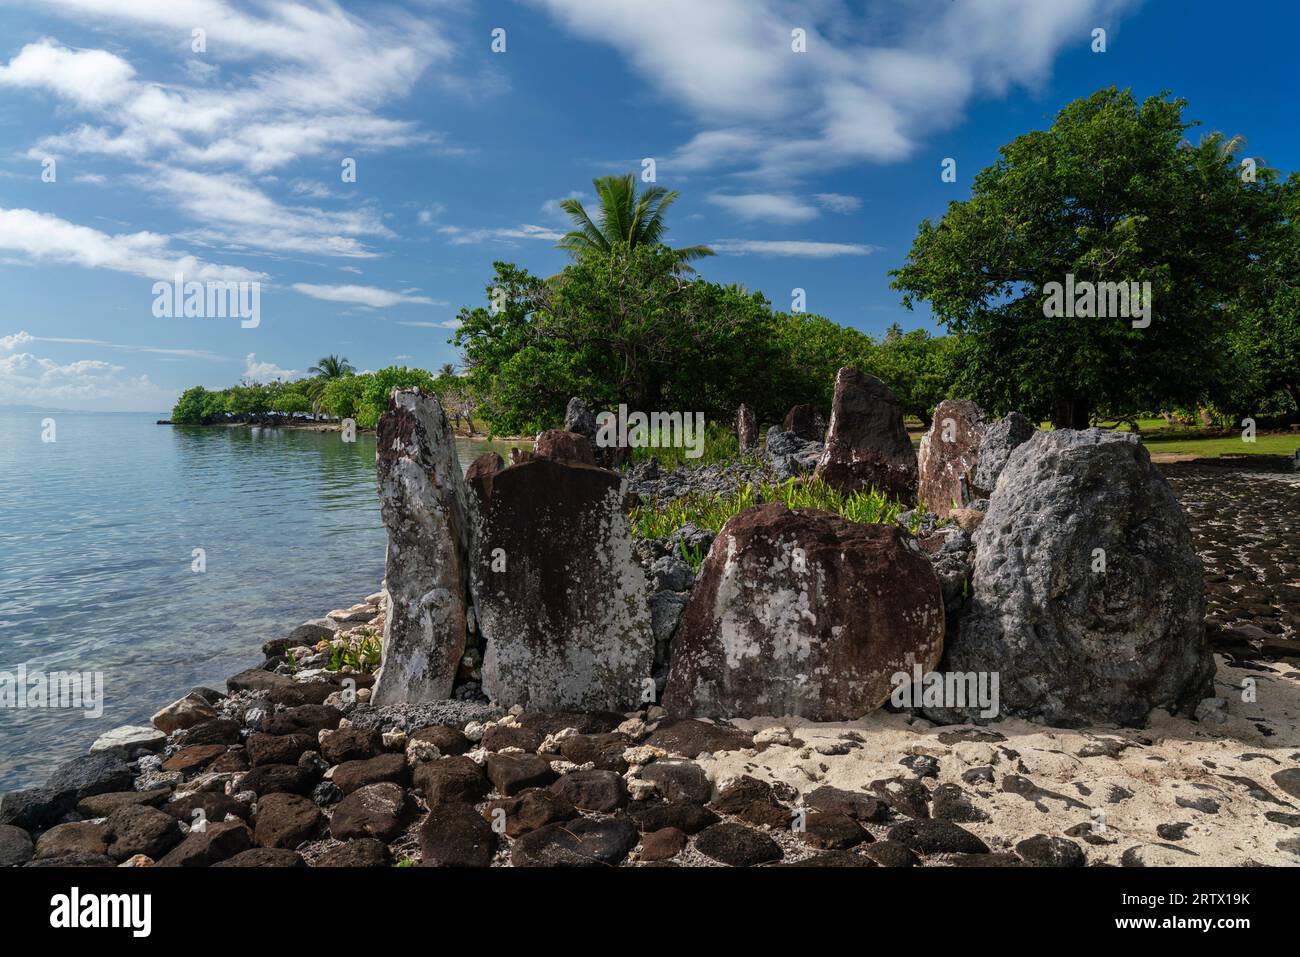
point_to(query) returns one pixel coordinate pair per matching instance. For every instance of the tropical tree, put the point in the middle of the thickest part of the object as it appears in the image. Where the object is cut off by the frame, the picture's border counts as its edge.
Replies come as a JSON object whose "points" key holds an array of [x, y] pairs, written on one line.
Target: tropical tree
{"points": [[624, 217], [331, 367]]}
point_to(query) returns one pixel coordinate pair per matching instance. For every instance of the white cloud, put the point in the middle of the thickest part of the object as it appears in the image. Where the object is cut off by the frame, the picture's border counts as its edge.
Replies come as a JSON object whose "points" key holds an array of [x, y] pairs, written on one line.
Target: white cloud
{"points": [[364, 295], [255, 371], [460, 236], [41, 236], [871, 86], [792, 247], [418, 324], [765, 207], [85, 383], [838, 202], [22, 338]]}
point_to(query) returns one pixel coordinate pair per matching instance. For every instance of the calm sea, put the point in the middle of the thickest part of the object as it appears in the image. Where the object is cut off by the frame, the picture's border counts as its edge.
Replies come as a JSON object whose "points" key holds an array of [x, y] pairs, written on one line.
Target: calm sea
{"points": [[98, 531]]}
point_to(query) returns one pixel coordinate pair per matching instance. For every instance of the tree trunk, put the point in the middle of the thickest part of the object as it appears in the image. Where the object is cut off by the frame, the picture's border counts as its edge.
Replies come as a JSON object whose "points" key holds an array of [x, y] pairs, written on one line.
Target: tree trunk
{"points": [[1071, 412]]}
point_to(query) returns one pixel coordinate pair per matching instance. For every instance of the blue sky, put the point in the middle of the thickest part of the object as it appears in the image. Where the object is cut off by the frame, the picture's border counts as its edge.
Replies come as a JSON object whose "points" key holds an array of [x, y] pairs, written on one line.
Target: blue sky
{"points": [[805, 170]]}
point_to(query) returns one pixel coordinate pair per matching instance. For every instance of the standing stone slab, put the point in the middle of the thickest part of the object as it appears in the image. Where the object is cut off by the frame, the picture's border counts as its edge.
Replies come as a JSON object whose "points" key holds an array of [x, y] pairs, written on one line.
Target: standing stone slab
{"points": [[806, 422], [746, 429], [560, 598], [803, 613], [867, 445], [948, 456], [422, 501], [1075, 642]]}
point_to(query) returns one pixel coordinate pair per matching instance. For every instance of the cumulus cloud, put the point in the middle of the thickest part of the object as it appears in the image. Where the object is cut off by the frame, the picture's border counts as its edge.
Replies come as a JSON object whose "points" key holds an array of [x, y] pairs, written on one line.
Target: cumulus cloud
{"points": [[765, 207], [42, 236], [256, 371], [28, 379], [22, 338], [364, 295], [870, 86], [838, 202], [460, 236]]}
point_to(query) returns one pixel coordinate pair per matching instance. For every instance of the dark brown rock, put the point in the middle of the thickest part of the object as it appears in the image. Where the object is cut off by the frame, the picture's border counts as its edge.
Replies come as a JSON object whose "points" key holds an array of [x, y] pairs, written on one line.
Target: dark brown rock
{"points": [[16, 847], [660, 845], [454, 835], [737, 845], [511, 773], [217, 842], [742, 648], [213, 805], [451, 779], [746, 429], [604, 751], [806, 422], [936, 837], [376, 810], [351, 744], [194, 758], [264, 857], [278, 779], [564, 446], [891, 854], [502, 736], [278, 748], [527, 811], [308, 719], [446, 740], [257, 679], [855, 804], [679, 780], [135, 829], [653, 816], [582, 843], [691, 738], [832, 832], [602, 791], [867, 445], [102, 805], [80, 837], [285, 820], [216, 731], [363, 852], [948, 457], [351, 775]]}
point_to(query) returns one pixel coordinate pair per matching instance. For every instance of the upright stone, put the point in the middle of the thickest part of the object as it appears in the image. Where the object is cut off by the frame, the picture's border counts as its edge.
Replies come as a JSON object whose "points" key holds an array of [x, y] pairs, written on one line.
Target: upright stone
{"points": [[806, 422], [1086, 594], [578, 419], [564, 447], [746, 429], [999, 440], [948, 456], [423, 505], [559, 596], [803, 613], [867, 445]]}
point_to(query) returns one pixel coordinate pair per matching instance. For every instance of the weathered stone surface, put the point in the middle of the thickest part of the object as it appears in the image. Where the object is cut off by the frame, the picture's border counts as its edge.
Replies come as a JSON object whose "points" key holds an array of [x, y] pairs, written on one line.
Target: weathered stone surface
{"points": [[102, 805], [737, 845], [446, 740], [602, 791], [691, 818], [604, 751], [376, 810], [365, 852], [16, 846], [128, 738], [455, 835], [451, 779], [806, 422], [278, 748], [678, 780], [582, 843], [134, 829], [264, 857], [803, 613], [891, 854], [80, 837], [579, 418], [214, 805], [948, 456], [278, 779], [1043, 851], [867, 445], [854, 804], [529, 810], [284, 821], [217, 842], [351, 775], [257, 679], [564, 446], [423, 505], [660, 845], [746, 429], [791, 456], [962, 455], [512, 773], [90, 774], [309, 719], [183, 713], [832, 832], [216, 731], [936, 837], [559, 596], [351, 744], [1073, 644], [34, 808], [194, 758], [691, 738], [483, 468]]}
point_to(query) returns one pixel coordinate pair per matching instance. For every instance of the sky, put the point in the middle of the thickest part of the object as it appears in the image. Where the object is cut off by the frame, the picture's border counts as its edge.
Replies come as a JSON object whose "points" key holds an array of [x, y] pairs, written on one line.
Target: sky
{"points": [[141, 139]]}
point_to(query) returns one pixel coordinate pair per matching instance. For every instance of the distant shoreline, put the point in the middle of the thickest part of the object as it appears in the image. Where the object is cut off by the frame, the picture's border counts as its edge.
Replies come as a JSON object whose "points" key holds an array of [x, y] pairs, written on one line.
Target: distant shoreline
{"points": [[334, 427]]}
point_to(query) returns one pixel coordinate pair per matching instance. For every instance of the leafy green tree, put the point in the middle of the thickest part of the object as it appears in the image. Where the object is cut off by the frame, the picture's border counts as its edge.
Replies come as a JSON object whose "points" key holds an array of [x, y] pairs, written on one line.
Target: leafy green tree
{"points": [[921, 369], [625, 217], [291, 402], [375, 393], [809, 350], [619, 327], [1111, 192], [342, 397], [191, 407]]}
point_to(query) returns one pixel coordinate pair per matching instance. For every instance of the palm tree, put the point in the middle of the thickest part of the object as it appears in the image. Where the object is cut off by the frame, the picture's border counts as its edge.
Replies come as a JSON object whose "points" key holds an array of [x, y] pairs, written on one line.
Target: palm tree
{"points": [[624, 217], [447, 370], [332, 367]]}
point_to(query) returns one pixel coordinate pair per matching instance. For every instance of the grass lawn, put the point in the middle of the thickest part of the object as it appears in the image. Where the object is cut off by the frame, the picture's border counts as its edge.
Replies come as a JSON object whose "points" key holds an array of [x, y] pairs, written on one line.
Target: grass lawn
{"points": [[1212, 447]]}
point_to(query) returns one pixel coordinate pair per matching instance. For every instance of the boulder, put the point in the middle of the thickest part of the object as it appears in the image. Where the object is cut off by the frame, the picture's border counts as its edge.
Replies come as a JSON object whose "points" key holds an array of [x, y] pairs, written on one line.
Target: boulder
{"points": [[563, 447], [867, 445], [362, 852], [806, 423], [582, 843], [455, 778], [1086, 593], [579, 419], [423, 505], [737, 845], [135, 829], [78, 837], [948, 456], [264, 857], [376, 810], [33, 809], [128, 738], [962, 455], [285, 821], [559, 595], [746, 429], [803, 613], [102, 805], [15, 846], [790, 455], [90, 774], [183, 713], [351, 775], [215, 843], [484, 467], [455, 835]]}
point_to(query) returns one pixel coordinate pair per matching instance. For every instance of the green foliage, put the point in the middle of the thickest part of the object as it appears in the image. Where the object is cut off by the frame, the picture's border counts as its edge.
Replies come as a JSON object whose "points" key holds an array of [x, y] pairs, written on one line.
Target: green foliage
{"points": [[625, 218], [291, 403], [1111, 192], [721, 444], [361, 651], [191, 407], [659, 520], [375, 392], [342, 397], [692, 555]]}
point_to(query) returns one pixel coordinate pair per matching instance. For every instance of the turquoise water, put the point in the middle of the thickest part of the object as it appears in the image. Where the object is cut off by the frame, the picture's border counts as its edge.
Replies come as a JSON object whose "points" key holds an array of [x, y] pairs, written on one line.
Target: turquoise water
{"points": [[97, 535]]}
